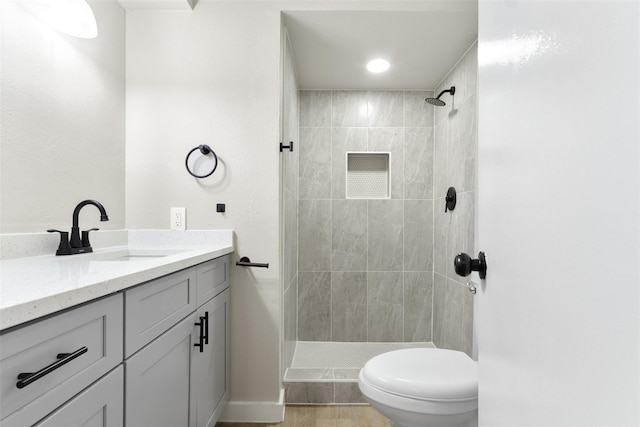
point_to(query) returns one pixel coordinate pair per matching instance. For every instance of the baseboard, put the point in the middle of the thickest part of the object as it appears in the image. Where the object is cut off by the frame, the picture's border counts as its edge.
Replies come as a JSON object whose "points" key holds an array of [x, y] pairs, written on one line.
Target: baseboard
{"points": [[254, 412]]}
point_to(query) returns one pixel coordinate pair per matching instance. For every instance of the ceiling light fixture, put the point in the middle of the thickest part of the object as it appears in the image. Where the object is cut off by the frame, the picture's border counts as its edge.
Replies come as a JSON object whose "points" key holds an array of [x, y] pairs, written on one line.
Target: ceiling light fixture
{"points": [[378, 66]]}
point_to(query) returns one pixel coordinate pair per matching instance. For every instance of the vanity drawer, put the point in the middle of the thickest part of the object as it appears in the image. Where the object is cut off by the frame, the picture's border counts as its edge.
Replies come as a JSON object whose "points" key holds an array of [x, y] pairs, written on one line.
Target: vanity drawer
{"points": [[213, 278], [154, 307], [90, 335]]}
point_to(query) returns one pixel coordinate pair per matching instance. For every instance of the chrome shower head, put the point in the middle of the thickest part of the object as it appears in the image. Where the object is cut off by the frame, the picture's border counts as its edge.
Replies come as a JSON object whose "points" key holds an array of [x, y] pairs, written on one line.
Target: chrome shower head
{"points": [[437, 101]]}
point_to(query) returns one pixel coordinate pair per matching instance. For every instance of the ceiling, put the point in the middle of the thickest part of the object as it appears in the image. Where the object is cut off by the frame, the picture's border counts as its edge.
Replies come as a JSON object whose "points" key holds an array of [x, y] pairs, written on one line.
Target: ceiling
{"points": [[331, 48]]}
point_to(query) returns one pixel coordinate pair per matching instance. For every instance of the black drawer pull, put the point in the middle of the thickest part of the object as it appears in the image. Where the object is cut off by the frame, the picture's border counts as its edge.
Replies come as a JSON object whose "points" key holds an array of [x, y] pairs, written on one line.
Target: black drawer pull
{"points": [[27, 378], [206, 327], [201, 338]]}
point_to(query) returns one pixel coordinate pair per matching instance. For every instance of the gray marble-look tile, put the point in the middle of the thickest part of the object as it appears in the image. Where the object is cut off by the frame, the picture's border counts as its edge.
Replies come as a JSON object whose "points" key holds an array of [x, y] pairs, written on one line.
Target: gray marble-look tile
{"points": [[314, 235], [461, 152], [343, 140], [461, 237], [315, 108], [385, 245], [315, 163], [417, 112], [418, 235], [443, 112], [349, 108], [349, 235], [308, 374], [290, 310], [441, 225], [467, 323], [441, 143], [384, 300], [290, 237], [418, 306], [439, 309], [348, 392], [385, 108], [390, 140], [346, 373], [471, 70], [349, 306], [418, 163], [311, 392], [453, 315], [314, 306]]}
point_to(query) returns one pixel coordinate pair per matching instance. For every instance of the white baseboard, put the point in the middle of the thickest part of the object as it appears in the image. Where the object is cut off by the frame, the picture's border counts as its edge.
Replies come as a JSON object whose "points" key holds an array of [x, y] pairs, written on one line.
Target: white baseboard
{"points": [[254, 412]]}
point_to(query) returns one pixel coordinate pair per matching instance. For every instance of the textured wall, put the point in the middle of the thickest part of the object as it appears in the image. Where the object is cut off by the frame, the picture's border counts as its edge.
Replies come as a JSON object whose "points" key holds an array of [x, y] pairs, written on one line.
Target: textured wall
{"points": [[365, 266], [455, 161], [62, 137]]}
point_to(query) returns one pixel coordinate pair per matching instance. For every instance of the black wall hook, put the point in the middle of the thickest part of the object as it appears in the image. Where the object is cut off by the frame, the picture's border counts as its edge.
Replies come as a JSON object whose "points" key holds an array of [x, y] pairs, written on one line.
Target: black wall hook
{"points": [[464, 265]]}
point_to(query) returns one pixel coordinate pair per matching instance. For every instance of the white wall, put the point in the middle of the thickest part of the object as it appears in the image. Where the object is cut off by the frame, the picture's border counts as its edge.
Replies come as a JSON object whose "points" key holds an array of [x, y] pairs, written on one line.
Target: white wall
{"points": [[62, 137], [559, 212]]}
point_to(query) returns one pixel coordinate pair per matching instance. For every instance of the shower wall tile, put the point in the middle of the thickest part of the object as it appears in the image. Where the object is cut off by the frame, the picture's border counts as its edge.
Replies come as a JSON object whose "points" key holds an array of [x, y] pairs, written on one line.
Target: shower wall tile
{"points": [[315, 108], [418, 235], [385, 109], [290, 310], [453, 315], [390, 140], [290, 237], [384, 302], [417, 112], [418, 163], [349, 306], [460, 235], [343, 140], [439, 309], [315, 163], [461, 152], [314, 306], [441, 226], [418, 306], [349, 108], [471, 70], [349, 235], [385, 244], [467, 323], [441, 144], [314, 235]]}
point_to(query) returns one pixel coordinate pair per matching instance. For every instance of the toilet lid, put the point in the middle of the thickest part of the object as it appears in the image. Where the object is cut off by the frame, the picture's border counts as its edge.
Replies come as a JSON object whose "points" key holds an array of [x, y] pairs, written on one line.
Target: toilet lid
{"points": [[424, 373]]}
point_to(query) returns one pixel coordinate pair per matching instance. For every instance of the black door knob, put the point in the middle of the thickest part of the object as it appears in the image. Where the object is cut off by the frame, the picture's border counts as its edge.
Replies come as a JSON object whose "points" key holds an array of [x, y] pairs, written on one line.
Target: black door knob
{"points": [[464, 265]]}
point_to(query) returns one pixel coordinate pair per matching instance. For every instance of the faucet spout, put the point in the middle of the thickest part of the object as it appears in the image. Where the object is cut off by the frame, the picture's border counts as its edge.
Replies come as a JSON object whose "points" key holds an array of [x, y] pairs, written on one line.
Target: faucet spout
{"points": [[75, 240]]}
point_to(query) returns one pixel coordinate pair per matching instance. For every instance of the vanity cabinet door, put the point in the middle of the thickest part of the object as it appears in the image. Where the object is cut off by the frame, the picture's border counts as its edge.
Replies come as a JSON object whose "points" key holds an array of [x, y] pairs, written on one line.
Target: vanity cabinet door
{"points": [[101, 405], [158, 379], [210, 386], [213, 278]]}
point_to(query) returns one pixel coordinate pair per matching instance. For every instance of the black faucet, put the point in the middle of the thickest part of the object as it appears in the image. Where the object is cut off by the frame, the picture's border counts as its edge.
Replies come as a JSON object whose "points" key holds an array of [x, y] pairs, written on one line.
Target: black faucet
{"points": [[77, 245]]}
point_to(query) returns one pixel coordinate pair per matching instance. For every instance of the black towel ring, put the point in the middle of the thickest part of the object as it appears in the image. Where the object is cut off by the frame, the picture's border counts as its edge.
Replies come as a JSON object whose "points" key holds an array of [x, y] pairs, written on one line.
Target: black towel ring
{"points": [[205, 150]]}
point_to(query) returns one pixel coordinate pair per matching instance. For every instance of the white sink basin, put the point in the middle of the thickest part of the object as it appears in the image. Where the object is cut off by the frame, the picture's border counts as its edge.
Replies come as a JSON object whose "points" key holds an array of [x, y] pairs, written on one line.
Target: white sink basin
{"points": [[131, 255]]}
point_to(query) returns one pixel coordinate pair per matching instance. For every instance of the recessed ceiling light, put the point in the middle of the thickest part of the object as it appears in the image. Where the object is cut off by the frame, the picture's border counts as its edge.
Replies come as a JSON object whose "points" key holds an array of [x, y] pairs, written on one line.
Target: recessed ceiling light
{"points": [[378, 65]]}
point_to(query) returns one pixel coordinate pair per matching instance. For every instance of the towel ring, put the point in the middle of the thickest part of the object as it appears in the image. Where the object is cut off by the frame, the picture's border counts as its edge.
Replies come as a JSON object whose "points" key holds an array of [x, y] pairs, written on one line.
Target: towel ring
{"points": [[204, 150]]}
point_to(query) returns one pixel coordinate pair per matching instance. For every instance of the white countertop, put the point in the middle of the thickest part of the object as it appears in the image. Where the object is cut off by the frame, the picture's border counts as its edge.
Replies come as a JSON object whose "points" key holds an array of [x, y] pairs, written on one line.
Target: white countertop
{"points": [[33, 287]]}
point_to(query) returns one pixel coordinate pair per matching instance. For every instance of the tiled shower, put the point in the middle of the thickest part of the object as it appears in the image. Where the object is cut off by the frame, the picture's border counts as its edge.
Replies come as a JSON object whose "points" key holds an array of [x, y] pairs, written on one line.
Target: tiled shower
{"points": [[380, 270]]}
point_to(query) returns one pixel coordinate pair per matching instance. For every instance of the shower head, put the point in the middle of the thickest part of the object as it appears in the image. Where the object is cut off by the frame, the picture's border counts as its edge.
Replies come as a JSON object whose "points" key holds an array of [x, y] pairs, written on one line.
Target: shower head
{"points": [[437, 101]]}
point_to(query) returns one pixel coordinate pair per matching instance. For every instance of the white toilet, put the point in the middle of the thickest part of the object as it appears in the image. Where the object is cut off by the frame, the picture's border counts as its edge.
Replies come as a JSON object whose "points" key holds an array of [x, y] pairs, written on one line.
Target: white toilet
{"points": [[423, 387]]}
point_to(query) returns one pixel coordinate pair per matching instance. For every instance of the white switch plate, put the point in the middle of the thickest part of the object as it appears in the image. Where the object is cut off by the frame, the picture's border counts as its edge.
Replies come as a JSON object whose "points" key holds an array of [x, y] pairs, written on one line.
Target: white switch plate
{"points": [[178, 219]]}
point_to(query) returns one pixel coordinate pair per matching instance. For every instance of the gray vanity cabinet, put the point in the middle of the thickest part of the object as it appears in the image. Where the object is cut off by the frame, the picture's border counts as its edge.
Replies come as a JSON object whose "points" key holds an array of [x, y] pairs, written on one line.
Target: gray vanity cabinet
{"points": [[100, 405], [210, 386], [180, 378]]}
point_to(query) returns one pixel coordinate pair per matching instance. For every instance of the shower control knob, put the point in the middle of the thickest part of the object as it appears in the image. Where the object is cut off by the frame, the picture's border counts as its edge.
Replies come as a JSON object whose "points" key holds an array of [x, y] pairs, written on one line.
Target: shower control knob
{"points": [[464, 265]]}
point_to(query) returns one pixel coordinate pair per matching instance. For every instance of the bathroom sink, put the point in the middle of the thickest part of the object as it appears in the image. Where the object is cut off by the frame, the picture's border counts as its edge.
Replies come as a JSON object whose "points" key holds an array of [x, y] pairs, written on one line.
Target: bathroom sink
{"points": [[132, 255]]}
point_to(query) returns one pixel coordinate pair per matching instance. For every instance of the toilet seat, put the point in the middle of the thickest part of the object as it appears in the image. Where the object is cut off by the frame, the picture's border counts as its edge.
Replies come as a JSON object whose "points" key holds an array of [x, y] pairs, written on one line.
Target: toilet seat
{"points": [[424, 374]]}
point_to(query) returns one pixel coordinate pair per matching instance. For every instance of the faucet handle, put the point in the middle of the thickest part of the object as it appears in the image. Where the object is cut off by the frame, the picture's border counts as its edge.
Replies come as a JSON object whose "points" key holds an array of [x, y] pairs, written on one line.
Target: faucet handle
{"points": [[64, 248], [85, 237]]}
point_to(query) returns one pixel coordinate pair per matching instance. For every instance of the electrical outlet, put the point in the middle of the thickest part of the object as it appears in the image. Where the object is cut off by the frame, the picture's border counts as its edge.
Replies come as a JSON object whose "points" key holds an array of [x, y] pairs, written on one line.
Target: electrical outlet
{"points": [[179, 219]]}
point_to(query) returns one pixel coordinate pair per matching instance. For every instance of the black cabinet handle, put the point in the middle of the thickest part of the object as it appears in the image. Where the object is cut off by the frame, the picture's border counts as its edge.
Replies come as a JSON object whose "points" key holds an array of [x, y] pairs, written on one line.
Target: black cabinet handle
{"points": [[246, 262], [206, 327], [27, 378], [200, 342]]}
